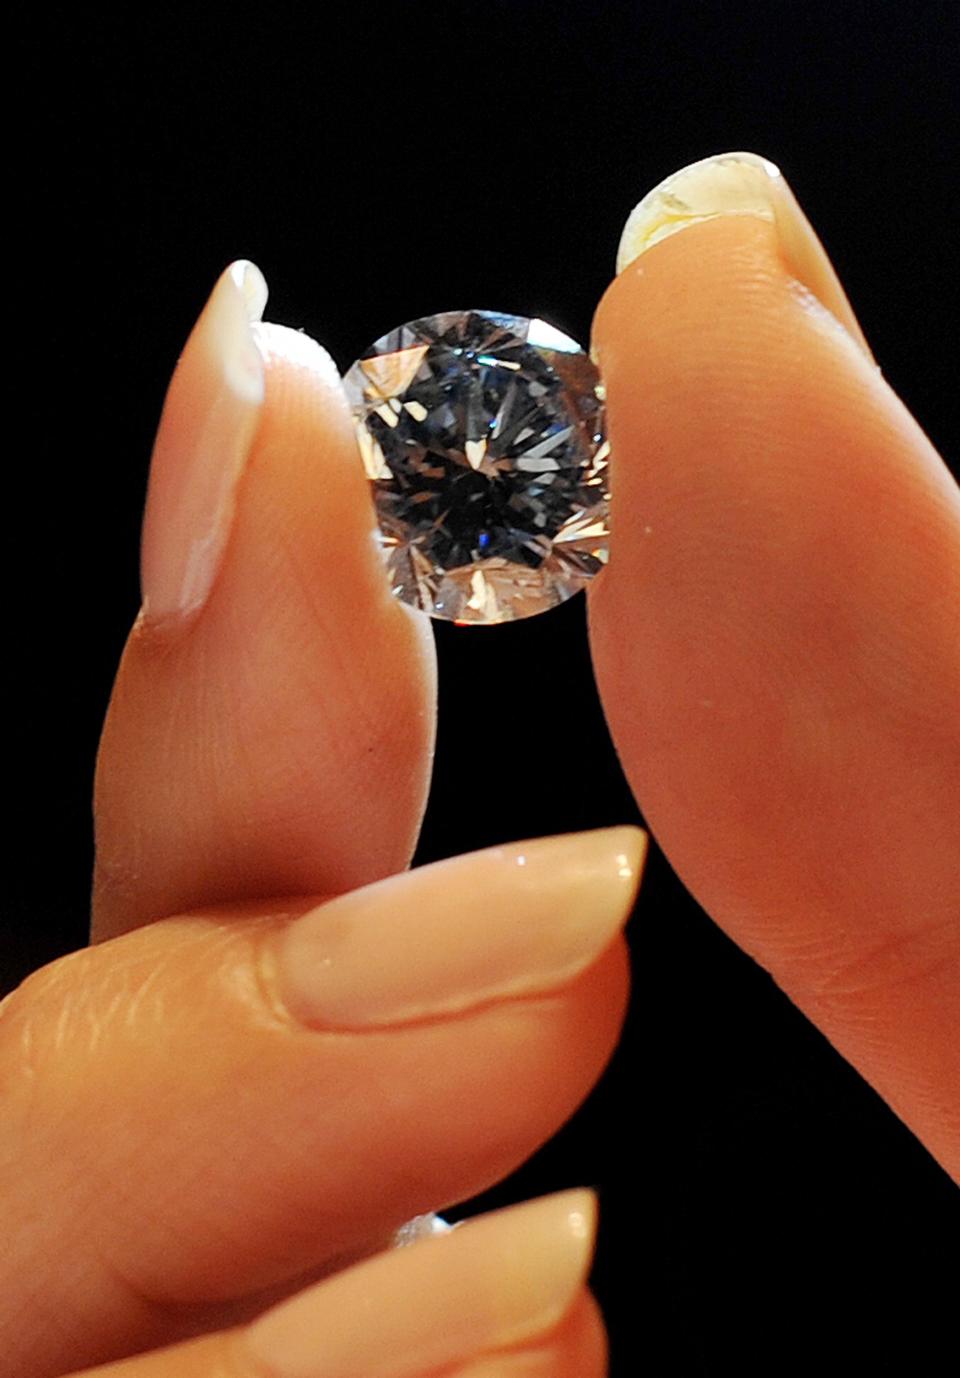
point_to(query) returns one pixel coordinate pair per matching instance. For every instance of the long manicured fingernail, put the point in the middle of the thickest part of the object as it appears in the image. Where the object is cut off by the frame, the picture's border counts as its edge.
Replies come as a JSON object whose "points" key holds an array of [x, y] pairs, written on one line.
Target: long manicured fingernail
{"points": [[492, 925], [739, 184], [209, 417], [502, 1279]]}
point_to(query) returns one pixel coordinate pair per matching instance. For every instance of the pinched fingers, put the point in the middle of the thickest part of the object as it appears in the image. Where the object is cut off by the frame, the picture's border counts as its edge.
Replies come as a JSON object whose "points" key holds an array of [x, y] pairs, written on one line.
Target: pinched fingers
{"points": [[271, 726], [204, 1113]]}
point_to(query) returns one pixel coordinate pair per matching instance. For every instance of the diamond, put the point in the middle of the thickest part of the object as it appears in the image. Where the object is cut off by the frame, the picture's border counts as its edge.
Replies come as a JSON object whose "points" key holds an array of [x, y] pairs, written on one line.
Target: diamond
{"points": [[482, 435]]}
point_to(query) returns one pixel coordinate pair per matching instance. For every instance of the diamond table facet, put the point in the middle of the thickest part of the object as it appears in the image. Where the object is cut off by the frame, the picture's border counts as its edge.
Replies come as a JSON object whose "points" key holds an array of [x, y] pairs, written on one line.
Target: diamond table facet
{"points": [[482, 436]]}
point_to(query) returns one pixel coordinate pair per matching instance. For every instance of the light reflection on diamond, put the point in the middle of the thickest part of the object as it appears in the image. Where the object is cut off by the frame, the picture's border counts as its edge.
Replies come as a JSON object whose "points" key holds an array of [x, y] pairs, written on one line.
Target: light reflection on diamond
{"points": [[482, 436]]}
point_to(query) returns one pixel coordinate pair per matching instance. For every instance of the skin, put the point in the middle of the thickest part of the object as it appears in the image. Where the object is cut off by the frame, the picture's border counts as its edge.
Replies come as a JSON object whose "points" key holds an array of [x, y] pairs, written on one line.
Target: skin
{"points": [[782, 694]]}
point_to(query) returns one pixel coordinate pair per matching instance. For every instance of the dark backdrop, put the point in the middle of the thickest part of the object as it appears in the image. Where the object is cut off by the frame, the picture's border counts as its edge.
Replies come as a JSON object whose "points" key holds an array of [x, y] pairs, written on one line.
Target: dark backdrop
{"points": [[761, 1208]]}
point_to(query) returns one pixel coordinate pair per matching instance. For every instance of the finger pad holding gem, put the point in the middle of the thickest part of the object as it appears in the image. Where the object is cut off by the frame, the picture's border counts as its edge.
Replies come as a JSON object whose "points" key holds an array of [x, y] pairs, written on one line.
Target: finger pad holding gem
{"points": [[482, 435]]}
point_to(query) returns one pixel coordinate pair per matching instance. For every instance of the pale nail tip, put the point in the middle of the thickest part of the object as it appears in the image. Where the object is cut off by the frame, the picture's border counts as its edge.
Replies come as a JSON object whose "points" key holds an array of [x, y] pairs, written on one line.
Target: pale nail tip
{"points": [[632, 849], [252, 286], [578, 1199], [582, 1215], [231, 338], [573, 1211], [721, 184], [579, 1224], [622, 845], [243, 372], [742, 156]]}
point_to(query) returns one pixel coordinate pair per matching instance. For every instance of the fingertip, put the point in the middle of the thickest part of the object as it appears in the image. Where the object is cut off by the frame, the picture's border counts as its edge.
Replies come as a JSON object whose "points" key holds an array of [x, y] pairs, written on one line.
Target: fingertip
{"points": [[282, 741], [288, 348], [738, 185], [775, 638], [252, 286]]}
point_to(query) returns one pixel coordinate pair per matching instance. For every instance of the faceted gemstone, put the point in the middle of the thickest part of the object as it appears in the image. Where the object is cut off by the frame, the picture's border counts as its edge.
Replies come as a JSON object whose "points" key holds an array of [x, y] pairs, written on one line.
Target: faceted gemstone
{"points": [[482, 436]]}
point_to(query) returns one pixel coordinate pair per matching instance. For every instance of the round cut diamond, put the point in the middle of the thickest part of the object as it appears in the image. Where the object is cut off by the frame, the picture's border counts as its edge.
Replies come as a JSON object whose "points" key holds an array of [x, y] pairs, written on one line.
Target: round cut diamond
{"points": [[482, 436]]}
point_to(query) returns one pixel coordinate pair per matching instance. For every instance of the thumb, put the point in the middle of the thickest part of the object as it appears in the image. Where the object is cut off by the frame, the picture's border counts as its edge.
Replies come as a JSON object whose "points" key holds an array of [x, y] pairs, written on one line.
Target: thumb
{"points": [[776, 637]]}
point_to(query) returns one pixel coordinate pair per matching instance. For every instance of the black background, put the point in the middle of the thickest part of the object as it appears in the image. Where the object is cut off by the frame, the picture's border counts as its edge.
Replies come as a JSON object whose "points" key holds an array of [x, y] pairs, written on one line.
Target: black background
{"points": [[761, 1208]]}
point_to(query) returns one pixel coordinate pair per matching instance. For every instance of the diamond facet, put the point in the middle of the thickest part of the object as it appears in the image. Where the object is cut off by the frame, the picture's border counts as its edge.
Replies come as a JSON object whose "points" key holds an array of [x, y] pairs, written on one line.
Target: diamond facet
{"points": [[482, 436]]}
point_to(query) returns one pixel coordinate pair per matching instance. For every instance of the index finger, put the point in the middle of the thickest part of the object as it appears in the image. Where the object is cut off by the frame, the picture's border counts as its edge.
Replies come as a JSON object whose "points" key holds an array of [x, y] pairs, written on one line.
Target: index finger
{"points": [[271, 726], [776, 641]]}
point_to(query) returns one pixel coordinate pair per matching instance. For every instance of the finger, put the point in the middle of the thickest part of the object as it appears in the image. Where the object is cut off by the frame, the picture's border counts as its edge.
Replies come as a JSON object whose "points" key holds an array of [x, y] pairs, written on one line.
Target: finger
{"points": [[272, 721], [502, 1295], [776, 637], [214, 1108]]}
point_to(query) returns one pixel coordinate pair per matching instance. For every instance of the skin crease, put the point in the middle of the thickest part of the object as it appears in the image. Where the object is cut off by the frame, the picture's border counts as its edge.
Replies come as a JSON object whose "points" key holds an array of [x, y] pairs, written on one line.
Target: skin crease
{"points": [[781, 692]]}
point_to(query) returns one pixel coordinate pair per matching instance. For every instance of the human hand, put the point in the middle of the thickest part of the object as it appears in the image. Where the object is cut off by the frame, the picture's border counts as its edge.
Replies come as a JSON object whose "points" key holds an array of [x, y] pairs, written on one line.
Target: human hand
{"points": [[233, 769], [776, 640], [208, 1112]]}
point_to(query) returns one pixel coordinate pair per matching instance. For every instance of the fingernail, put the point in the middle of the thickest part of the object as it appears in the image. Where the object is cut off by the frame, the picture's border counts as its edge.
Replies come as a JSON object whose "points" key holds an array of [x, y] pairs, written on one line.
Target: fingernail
{"points": [[497, 924], [739, 184], [502, 1279], [206, 429]]}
